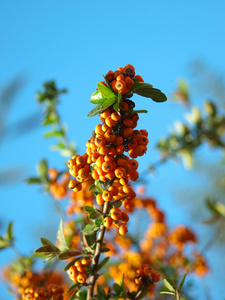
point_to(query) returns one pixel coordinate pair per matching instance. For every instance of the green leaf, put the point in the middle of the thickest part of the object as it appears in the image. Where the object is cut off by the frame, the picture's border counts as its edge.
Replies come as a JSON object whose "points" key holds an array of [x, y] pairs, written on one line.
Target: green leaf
{"points": [[45, 241], [3, 243], [68, 254], [97, 98], [91, 239], [103, 262], [105, 91], [101, 290], [96, 192], [9, 234], [116, 106], [89, 209], [146, 90], [98, 186], [103, 250], [56, 133], [42, 168], [98, 222], [220, 208], [169, 293], [109, 102], [117, 203], [182, 283], [169, 285], [91, 187], [60, 236], [73, 286], [97, 110], [94, 215], [50, 256], [82, 295], [33, 180], [117, 288], [90, 229]]}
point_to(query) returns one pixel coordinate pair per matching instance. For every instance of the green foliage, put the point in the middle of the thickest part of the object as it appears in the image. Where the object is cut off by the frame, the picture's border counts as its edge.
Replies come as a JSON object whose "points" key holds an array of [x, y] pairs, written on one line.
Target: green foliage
{"points": [[8, 239]]}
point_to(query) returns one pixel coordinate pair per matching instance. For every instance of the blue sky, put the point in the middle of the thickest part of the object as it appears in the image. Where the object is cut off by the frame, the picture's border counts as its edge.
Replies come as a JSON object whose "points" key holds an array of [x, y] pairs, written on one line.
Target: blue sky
{"points": [[74, 43]]}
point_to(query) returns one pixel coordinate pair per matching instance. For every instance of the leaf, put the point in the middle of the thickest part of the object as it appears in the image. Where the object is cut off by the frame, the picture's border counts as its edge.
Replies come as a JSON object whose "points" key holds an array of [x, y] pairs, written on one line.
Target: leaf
{"points": [[47, 249], [94, 215], [117, 288], [169, 285], [97, 110], [89, 209], [169, 293], [73, 286], [3, 243], [98, 186], [109, 102], [56, 133], [101, 290], [98, 222], [60, 235], [117, 203], [182, 283], [42, 168], [146, 90], [105, 91], [116, 106], [103, 250], [90, 229], [96, 192], [49, 257], [91, 239], [45, 241], [91, 187], [33, 180], [97, 98], [10, 232], [68, 254], [220, 208], [103, 262]]}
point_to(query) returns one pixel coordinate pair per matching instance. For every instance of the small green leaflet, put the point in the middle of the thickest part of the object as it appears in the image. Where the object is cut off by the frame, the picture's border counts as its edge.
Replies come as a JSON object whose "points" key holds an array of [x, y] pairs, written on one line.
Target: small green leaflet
{"points": [[97, 110], [146, 90], [103, 262], [61, 237], [97, 98], [168, 285], [105, 91], [109, 102]]}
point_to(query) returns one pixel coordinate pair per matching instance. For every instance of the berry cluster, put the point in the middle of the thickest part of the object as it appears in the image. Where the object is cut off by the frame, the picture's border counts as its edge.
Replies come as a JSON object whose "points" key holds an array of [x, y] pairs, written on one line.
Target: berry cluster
{"points": [[77, 271], [53, 292], [146, 275], [122, 79]]}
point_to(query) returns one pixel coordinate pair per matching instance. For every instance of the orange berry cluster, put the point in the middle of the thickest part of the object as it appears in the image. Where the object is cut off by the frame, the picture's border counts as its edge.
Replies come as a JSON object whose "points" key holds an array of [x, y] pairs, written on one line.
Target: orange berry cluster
{"points": [[146, 275], [122, 79], [116, 216], [182, 235], [58, 188], [80, 169], [77, 271], [53, 292]]}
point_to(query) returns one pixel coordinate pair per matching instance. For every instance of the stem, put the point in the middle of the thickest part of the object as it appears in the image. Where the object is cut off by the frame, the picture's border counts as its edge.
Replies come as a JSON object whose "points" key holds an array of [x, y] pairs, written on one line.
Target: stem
{"points": [[177, 295], [95, 259]]}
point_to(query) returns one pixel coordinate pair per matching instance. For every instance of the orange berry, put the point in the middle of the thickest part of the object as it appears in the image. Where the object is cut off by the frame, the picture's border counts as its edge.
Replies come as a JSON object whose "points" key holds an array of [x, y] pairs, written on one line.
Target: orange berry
{"points": [[103, 150], [112, 151], [116, 73], [81, 278], [81, 269], [120, 77], [99, 199], [105, 114], [140, 150], [144, 132], [147, 271], [120, 85], [138, 281], [107, 166], [115, 116], [107, 222], [109, 75], [121, 69], [78, 188], [86, 261], [134, 164], [77, 263], [128, 122], [100, 141], [139, 78], [113, 85], [105, 84], [108, 157], [120, 149], [124, 105], [124, 217], [119, 140], [120, 172], [110, 122], [129, 66], [110, 135], [137, 135], [123, 229], [107, 196], [127, 132], [116, 215], [72, 184], [124, 91], [95, 175], [99, 161], [129, 82], [143, 141], [113, 190], [110, 175], [155, 276]]}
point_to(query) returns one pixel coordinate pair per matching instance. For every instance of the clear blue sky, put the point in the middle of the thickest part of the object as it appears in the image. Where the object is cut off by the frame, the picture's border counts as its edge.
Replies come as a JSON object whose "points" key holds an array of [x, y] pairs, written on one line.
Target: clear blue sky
{"points": [[74, 43]]}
